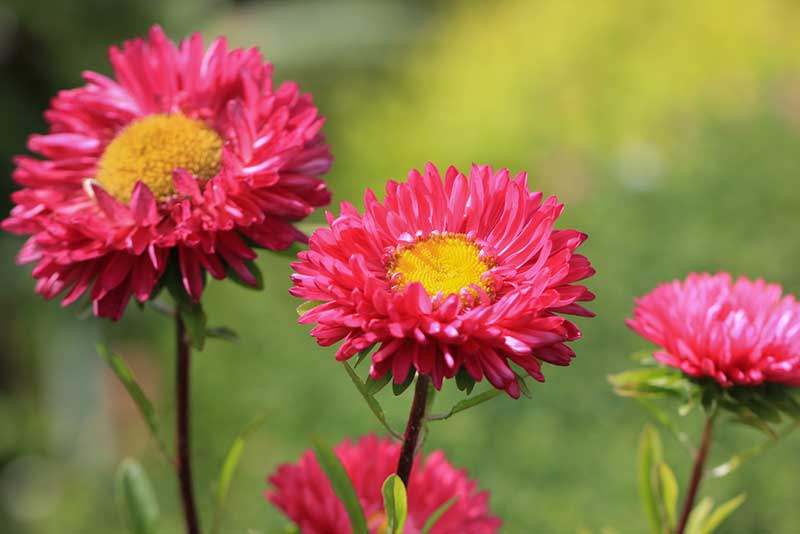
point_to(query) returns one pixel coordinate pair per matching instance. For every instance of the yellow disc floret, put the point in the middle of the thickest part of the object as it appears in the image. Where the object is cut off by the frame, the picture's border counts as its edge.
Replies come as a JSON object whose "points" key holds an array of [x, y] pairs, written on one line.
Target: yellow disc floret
{"points": [[442, 263], [150, 149]]}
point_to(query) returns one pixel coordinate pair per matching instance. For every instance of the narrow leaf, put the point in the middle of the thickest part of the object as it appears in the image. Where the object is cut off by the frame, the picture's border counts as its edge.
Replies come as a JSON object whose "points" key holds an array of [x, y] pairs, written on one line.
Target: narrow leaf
{"points": [[721, 513], [398, 389], [465, 404], [662, 418], [698, 516], [136, 498], [194, 318], [372, 402], [342, 486], [650, 454], [436, 515], [125, 375], [222, 332], [374, 386], [669, 492], [229, 465], [395, 503]]}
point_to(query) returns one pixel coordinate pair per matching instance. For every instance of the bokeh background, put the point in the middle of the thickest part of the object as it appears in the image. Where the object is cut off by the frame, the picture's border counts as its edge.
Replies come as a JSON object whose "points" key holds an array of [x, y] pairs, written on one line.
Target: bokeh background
{"points": [[669, 128]]}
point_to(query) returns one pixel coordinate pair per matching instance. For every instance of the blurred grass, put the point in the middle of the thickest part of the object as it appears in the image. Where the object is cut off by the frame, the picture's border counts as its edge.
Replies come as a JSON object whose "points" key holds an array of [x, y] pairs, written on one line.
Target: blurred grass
{"points": [[669, 128]]}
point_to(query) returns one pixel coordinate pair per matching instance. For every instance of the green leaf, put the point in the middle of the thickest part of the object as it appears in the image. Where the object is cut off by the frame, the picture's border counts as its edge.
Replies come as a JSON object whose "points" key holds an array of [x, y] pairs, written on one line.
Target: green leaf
{"points": [[362, 354], [194, 318], [698, 516], [342, 486], [223, 332], [438, 513], [721, 513], [523, 386], [464, 380], [398, 389], [125, 375], [307, 306], [136, 498], [374, 386], [669, 492], [395, 503], [229, 465], [373, 404], [735, 461], [650, 454], [465, 404]]}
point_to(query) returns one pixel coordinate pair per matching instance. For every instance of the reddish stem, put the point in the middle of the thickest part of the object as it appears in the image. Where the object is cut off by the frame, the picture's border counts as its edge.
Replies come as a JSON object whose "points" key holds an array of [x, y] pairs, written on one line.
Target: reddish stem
{"points": [[183, 461], [413, 428], [697, 472]]}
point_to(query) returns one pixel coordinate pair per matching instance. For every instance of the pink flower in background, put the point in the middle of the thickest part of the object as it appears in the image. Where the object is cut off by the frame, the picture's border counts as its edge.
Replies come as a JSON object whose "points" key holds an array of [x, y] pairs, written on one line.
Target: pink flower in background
{"points": [[305, 495], [738, 333], [465, 273], [187, 155]]}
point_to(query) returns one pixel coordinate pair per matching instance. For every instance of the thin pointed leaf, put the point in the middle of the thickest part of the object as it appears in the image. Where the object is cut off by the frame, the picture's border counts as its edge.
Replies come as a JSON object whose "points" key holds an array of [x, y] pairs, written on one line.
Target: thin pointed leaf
{"points": [[395, 503], [373, 404], [650, 454], [398, 389], [194, 318], [436, 515], [698, 516], [342, 486], [125, 375], [229, 465], [465, 404], [721, 513], [361, 355], [136, 498], [374, 386], [223, 332], [669, 492], [735, 461]]}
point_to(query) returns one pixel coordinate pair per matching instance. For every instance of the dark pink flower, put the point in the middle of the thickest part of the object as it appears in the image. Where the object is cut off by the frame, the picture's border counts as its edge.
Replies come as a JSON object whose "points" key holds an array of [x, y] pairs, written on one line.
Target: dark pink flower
{"points": [[187, 155], [305, 495], [738, 333], [465, 273]]}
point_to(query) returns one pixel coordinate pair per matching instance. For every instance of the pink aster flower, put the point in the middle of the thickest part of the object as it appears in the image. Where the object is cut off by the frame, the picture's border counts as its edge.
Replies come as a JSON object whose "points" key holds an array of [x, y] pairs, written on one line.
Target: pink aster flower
{"points": [[186, 154], [305, 495], [465, 273], [738, 333]]}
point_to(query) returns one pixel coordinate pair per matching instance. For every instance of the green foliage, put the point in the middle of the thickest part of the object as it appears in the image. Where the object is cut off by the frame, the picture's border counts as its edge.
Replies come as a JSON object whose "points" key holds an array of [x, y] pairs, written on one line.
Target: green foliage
{"points": [[342, 486], [395, 503], [437, 514], [761, 407], [704, 519], [371, 401], [228, 470], [465, 404], [136, 498], [125, 375], [650, 456]]}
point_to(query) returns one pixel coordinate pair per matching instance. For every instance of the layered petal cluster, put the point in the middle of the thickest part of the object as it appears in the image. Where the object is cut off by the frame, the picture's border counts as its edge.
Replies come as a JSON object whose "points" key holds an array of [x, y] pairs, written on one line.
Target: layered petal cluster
{"points": [[739, 332], [305, 495], [187, 154], [461, 273]]}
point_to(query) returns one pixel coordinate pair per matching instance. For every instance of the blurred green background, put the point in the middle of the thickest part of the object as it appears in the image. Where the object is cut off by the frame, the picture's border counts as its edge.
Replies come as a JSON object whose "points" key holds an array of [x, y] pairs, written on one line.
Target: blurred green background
{"points": [[670, 129]]}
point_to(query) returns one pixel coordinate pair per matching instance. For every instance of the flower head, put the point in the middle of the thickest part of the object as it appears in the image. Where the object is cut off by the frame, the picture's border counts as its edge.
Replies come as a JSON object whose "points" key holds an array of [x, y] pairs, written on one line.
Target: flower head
{"points": [[305, 495], [738, 333], [461, 274], [187, 155]]}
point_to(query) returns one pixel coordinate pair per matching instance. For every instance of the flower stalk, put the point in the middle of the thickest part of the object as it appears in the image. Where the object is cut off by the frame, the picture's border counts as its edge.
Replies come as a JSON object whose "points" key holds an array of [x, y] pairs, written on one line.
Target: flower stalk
{"points": [[413, 427], [697, 471], [183, 460]]}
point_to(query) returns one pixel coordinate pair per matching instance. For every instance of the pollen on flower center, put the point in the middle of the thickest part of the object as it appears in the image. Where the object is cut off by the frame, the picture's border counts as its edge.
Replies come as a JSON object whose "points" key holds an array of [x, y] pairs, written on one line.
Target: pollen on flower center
{"points": [[447, 264], [151, 148]]}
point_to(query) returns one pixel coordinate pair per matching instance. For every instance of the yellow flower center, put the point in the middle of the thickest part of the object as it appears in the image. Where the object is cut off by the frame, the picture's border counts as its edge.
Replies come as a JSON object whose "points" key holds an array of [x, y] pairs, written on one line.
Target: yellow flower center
{"points": [[447, 264], [151, 148]]}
